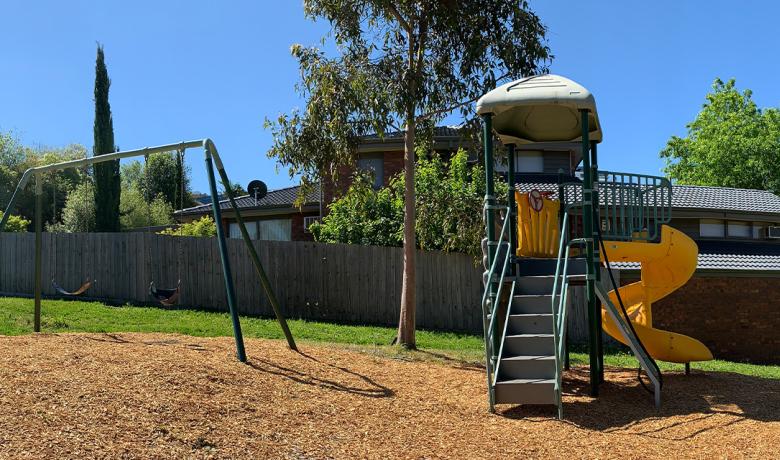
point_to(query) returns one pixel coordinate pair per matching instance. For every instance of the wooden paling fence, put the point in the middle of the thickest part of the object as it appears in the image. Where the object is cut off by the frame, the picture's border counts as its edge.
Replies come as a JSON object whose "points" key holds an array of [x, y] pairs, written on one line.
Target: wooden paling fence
{"points": [[316, 281]]}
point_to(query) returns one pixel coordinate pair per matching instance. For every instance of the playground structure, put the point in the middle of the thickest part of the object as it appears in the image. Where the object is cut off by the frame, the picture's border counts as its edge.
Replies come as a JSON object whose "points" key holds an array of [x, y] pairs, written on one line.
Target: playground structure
{"points": [[165, 296], [546, 244]]}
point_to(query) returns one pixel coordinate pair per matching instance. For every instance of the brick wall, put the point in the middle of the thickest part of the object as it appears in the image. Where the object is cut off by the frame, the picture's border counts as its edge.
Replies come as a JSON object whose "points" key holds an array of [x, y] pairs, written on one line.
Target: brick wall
{"points": [[393, 163], [738, 318], [298, 233]]}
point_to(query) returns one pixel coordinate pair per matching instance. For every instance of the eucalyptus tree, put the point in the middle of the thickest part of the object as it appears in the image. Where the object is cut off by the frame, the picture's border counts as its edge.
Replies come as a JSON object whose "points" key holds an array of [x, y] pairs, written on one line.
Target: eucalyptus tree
{"points": [[396, 66]]}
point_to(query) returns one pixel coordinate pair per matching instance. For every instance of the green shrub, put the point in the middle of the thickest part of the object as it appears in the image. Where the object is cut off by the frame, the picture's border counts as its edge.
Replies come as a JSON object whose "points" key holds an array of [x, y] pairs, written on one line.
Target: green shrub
{"points": [[15, 223], [204, 226]]}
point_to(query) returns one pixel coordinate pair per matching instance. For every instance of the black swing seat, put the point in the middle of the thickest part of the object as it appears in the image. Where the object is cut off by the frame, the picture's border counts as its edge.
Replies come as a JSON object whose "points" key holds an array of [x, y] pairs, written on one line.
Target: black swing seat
{"points": [[167, 297], [78, 292]]}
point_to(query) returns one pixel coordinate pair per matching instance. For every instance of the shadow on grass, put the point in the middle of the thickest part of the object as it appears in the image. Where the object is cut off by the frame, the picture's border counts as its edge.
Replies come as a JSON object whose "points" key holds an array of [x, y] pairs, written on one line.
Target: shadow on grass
{"points": [[697, 402], [371, 390]]}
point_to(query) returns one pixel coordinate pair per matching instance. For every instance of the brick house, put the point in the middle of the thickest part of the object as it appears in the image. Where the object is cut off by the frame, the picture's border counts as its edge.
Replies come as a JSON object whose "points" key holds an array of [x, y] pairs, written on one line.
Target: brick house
{"points": [[384, 157], [273, 217]]}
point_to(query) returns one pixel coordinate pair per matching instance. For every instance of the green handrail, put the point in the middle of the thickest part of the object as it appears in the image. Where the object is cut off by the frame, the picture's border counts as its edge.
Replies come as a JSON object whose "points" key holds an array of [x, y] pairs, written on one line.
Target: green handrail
{"points": [[490, 302]]}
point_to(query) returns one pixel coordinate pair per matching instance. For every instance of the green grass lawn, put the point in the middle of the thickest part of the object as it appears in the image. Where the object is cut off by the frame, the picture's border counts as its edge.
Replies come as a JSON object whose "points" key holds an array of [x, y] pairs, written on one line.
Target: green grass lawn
{"points": [[75, 316]]}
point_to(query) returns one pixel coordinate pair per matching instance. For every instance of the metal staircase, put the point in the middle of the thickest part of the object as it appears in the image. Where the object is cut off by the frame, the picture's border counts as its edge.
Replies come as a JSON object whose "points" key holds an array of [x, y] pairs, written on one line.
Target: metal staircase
{"points": [[525, 299]]}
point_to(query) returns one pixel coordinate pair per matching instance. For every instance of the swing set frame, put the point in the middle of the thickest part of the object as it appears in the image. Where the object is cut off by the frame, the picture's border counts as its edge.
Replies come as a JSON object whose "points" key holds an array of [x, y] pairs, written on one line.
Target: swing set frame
{"points": [[212, 158]]}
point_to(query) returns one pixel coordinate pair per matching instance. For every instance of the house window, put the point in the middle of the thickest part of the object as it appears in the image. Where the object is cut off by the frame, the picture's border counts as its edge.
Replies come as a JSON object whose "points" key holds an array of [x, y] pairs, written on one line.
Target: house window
{"points": [[308, 220], [274, 230], [525, 162], [251, 228], [529, 162], [373, 164], [712, 228], [739, 229], [759, 230]]}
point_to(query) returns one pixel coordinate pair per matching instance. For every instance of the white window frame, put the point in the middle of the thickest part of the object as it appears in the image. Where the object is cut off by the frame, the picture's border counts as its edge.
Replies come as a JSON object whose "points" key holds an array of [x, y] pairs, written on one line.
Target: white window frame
{"points": [[308, 220]]}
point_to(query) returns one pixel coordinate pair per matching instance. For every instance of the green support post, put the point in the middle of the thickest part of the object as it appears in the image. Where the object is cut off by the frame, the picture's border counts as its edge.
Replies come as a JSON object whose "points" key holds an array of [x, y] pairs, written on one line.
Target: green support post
{"points": [[597, 251], [229, 289], [512, 205], [269, 292], [38, 237], [490, 200], [590, 263]]}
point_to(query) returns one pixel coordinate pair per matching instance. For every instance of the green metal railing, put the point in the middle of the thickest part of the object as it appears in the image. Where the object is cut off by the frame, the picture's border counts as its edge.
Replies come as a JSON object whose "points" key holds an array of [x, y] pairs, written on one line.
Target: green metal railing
{"points": [[633, 206], [559, 302], [491, 300]]}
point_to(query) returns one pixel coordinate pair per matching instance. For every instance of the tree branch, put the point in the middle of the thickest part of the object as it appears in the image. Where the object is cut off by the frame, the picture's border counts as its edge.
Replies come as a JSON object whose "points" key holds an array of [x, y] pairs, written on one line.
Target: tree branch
{"points": [[430, 115], [397, 15]]}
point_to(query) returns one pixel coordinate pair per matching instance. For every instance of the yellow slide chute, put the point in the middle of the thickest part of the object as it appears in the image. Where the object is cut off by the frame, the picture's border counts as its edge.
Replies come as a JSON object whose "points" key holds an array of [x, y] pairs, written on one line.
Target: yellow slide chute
{"points": [[666, 266]]}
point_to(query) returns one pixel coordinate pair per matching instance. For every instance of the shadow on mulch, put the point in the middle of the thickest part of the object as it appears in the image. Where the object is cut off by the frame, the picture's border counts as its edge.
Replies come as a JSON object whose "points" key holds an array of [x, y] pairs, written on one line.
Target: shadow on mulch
{"points": [[371, 390], [624, 404], [118, 339], [454, 362]]}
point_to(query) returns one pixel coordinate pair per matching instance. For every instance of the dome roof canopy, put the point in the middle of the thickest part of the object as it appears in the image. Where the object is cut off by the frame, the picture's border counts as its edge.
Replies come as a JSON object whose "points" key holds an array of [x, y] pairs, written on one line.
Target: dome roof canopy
{"points": [[541, 108]]}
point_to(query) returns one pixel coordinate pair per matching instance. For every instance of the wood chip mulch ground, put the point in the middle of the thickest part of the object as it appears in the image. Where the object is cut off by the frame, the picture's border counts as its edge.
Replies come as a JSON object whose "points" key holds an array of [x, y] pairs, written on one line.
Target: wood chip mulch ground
{"points": [[155, 395]]}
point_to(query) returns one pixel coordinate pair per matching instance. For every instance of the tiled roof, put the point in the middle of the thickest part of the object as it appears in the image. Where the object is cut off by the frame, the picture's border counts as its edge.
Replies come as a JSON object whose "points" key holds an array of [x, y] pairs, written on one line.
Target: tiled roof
{"points": [[439, 131], [282, 198], [684, 196], [720, 255]]}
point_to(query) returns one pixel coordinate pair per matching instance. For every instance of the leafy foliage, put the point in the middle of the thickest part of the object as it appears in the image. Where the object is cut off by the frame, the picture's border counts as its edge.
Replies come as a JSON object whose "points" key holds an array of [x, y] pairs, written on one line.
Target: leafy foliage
{"points": [[204, 227], [16, 158], [399, 64], [731, 143], [136, 212], [107, 180], [15, 223], [161, 177], [78, 214], [449, 204]]}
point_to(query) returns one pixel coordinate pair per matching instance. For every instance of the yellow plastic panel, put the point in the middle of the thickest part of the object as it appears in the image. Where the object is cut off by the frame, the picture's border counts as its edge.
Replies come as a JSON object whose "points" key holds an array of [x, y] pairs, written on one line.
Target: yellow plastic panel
{"points": [[538, 232]]}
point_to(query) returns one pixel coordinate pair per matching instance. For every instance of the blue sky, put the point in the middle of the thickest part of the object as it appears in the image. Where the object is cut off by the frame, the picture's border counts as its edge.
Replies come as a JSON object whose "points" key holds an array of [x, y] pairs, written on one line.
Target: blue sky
{"points": [[189, 69]]}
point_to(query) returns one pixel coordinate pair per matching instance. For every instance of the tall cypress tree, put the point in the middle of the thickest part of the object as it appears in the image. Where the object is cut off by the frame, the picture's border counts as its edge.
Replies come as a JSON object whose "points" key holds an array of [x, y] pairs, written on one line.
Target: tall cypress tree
{"points": [[107, 180]]}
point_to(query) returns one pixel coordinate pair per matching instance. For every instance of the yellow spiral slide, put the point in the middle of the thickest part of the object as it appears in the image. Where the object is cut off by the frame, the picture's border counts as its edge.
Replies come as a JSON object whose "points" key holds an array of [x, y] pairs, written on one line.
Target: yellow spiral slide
{"points": [[666, 266]]}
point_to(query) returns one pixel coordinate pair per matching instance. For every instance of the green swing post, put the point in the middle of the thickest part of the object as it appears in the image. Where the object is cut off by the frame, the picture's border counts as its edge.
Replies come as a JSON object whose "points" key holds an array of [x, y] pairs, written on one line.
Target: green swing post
{"points": [[38, 239], [269, 292], [228, 275], [590, 263]]}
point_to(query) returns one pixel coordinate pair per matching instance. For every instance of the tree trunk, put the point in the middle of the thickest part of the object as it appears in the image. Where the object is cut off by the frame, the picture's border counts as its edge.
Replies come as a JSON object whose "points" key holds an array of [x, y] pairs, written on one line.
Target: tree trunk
{"points": [[406, 323]]}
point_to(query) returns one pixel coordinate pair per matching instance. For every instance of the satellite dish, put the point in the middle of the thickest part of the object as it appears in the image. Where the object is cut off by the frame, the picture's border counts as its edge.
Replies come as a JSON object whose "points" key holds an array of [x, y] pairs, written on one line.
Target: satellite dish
{"points": [[257, 189]]}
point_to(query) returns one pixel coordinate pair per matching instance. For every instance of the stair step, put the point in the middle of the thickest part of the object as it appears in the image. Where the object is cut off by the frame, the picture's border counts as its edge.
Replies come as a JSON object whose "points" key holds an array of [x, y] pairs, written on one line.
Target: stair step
{"points": [[530, 266], [526, 391], [531, 323], [529, 344], [535, 303], [535, 285], [527, 367]]}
